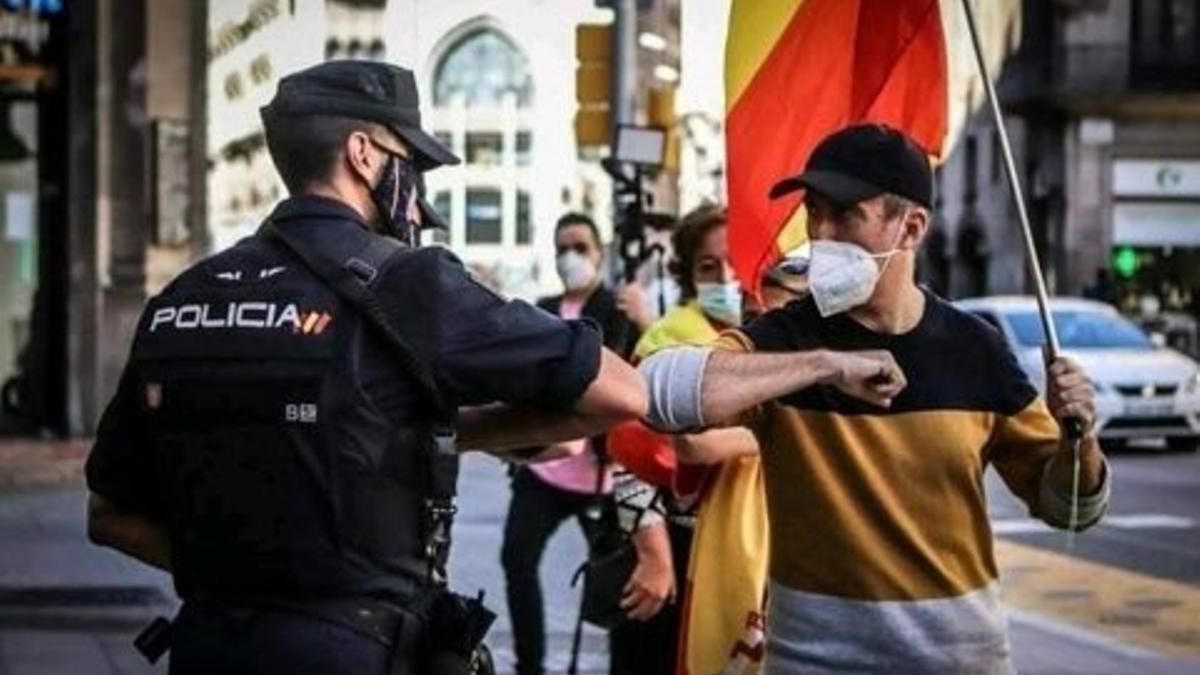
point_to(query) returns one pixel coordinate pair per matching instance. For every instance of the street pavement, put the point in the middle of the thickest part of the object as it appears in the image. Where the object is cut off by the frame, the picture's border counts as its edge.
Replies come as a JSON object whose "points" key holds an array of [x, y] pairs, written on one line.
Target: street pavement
{"points": [[1121, 601], [1153, 526], [1132, 583]]}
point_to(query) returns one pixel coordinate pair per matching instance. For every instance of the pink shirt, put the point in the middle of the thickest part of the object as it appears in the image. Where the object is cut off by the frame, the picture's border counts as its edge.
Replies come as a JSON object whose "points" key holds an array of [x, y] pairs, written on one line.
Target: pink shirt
{"points": [[578, 472]]}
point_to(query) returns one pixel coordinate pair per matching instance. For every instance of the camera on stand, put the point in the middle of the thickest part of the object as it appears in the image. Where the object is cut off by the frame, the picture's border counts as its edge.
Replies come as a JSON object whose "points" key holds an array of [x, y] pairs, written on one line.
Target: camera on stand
{"points": [[637, 154]]}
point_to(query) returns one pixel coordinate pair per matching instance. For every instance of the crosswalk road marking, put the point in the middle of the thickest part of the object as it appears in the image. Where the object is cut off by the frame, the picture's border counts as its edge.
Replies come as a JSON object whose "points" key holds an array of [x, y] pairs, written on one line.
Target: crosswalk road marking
{"points": [[1137, 608], [1148, 521], [1133, 521]]}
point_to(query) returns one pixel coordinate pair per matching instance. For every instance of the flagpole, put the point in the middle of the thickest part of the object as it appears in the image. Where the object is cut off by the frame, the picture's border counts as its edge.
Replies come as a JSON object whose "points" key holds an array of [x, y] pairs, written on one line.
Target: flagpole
{"points": [[1072, 426], [1014, 185]]}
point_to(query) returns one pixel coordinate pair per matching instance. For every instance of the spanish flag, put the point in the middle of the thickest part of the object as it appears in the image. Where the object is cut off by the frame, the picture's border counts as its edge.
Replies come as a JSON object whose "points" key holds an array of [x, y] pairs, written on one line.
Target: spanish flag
{"points": [[798, 70]]}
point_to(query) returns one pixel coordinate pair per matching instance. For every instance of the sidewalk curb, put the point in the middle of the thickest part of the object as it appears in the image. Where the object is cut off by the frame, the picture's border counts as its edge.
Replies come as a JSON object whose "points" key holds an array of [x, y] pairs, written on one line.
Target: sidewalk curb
{"points": [[87, 608], [32, 463]]}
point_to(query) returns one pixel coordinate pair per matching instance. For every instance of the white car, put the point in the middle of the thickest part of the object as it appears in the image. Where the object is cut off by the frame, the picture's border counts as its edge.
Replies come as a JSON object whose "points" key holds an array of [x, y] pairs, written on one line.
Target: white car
{"points": [[1142, 390]]}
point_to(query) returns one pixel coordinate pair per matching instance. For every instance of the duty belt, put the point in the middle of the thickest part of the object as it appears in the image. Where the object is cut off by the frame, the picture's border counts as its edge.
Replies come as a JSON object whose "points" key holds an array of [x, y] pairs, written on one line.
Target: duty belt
{"points": [[378, 620], [389, 624]]}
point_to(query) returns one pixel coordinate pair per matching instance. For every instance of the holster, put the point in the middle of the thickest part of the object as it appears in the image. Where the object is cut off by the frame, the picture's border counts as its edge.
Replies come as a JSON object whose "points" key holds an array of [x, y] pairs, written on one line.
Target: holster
{"points": [[453, 638], [155, 639]]}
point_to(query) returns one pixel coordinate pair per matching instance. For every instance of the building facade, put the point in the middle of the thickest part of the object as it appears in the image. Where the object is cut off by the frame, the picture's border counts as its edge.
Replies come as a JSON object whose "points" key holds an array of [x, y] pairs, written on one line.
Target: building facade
{"points": [[701, 102], [1103, 106], [496, 81], [163, 158], [100, 174]]}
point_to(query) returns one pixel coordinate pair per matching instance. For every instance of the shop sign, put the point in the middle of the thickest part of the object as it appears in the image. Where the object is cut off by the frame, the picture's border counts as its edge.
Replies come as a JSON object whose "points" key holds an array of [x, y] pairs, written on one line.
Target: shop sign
{"points": [[1156, 223], [1156, 178]]}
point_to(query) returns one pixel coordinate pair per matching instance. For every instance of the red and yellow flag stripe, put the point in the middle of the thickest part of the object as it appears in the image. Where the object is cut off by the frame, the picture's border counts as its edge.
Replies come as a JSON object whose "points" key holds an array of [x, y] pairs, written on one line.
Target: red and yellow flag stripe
{"points": [[797, 70]]}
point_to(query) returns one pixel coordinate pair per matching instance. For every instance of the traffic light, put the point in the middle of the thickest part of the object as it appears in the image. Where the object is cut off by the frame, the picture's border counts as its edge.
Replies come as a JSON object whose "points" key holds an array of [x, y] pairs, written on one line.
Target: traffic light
{"points": [[593, 84], [1125, 261], [660, 111]]}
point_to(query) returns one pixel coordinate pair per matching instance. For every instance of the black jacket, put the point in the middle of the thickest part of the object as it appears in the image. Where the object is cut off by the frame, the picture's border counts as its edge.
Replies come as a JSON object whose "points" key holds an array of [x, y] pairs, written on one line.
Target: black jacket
{"points": [[601, 309], [271, 430]]}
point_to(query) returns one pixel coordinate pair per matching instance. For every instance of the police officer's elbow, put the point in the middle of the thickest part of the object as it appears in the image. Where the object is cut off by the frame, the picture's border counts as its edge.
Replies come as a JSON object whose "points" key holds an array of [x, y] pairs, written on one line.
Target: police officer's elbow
{"points": [[618, 393], [630, 399], [614, 400], [637, 404]]}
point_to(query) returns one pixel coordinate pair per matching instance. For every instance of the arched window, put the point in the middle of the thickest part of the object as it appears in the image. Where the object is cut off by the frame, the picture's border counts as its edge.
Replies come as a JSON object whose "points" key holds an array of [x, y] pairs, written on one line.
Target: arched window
{"points": [[486, 75], [483, 67]]}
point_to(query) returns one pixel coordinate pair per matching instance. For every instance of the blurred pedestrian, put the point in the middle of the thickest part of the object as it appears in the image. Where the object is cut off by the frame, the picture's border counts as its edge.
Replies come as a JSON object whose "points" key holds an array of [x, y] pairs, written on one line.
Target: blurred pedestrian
{"points": [[1103, 288], [548, 493], [881, 549]]}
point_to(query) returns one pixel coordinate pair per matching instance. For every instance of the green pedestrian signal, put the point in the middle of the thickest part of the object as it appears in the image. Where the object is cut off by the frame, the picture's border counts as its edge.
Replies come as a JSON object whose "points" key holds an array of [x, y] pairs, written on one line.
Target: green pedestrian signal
{"points": [[1125, 262]]}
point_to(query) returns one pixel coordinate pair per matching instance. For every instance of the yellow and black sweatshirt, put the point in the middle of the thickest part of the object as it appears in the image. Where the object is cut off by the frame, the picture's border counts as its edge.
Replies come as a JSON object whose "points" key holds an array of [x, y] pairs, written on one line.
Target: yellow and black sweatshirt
{"points": [[881, 551]]}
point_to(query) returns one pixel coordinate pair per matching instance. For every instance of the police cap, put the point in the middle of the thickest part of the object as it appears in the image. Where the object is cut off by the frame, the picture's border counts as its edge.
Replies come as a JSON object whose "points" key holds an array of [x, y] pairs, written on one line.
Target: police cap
{"points": [[366, 90]]}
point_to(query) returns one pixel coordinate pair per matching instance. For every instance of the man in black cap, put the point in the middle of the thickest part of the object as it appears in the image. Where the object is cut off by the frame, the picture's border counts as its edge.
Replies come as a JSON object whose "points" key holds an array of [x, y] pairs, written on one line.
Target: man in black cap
{"points": [[881, 551], [284, 438]]}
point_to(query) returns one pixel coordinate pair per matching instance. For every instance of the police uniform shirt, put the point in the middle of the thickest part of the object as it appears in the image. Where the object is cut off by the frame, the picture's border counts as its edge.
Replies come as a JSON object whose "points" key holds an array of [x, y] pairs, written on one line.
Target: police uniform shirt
{"points": [[479, 347]]}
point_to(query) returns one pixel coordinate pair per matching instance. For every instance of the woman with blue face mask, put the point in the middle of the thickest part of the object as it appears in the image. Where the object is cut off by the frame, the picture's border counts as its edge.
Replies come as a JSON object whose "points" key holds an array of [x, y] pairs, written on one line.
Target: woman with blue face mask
{"points": [[701, 266], [710, 301]]}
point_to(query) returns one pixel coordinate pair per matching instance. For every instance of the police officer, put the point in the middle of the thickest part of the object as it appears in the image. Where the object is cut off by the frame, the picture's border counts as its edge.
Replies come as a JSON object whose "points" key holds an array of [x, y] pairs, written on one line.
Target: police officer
{"points": [[284, 436]]}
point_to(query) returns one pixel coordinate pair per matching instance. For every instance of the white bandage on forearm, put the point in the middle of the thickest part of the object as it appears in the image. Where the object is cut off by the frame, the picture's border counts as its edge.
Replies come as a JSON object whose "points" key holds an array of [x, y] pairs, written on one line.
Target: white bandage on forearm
{"points": [[1054, 504], [674, 377]]}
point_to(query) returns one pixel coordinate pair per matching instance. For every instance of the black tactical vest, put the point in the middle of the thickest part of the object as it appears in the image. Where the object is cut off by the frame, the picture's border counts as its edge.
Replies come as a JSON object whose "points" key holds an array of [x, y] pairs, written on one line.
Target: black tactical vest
{"points": [[279, 476]]}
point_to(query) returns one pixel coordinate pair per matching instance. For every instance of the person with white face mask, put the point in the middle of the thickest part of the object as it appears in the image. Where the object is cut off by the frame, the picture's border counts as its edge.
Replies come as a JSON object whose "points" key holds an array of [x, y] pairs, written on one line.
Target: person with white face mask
{"points": [[844, 275], [881, 554], [548, 493]]}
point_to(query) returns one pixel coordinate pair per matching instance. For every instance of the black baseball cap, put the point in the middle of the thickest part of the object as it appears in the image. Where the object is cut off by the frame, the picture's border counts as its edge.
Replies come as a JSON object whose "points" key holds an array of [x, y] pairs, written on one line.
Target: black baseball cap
{"points": [[366, 90], [862, 161]]}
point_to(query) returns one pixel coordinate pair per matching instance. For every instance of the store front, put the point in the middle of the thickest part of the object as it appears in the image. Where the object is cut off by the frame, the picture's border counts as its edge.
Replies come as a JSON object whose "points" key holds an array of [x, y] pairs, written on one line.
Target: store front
{"points": [[1156, 242], [99, 195], [33, 258]]}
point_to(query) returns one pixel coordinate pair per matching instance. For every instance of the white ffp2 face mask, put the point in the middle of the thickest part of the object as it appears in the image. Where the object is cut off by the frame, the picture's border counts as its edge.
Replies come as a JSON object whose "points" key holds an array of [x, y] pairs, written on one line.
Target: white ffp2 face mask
{"points": [[722, 302], [842, 276], [575, 270]]}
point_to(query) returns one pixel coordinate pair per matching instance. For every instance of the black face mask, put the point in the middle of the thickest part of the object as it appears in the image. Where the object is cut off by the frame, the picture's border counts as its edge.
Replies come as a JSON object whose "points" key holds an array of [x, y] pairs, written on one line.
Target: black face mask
{"points": [[398, 172]]}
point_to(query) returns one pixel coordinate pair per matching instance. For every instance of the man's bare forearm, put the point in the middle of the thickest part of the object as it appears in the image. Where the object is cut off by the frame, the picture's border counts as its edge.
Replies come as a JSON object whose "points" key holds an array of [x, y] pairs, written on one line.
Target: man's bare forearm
{"points": [[498, 428], [1057, 504], [1091, 467], [131, 534], [734, 381], [693, 387]]}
